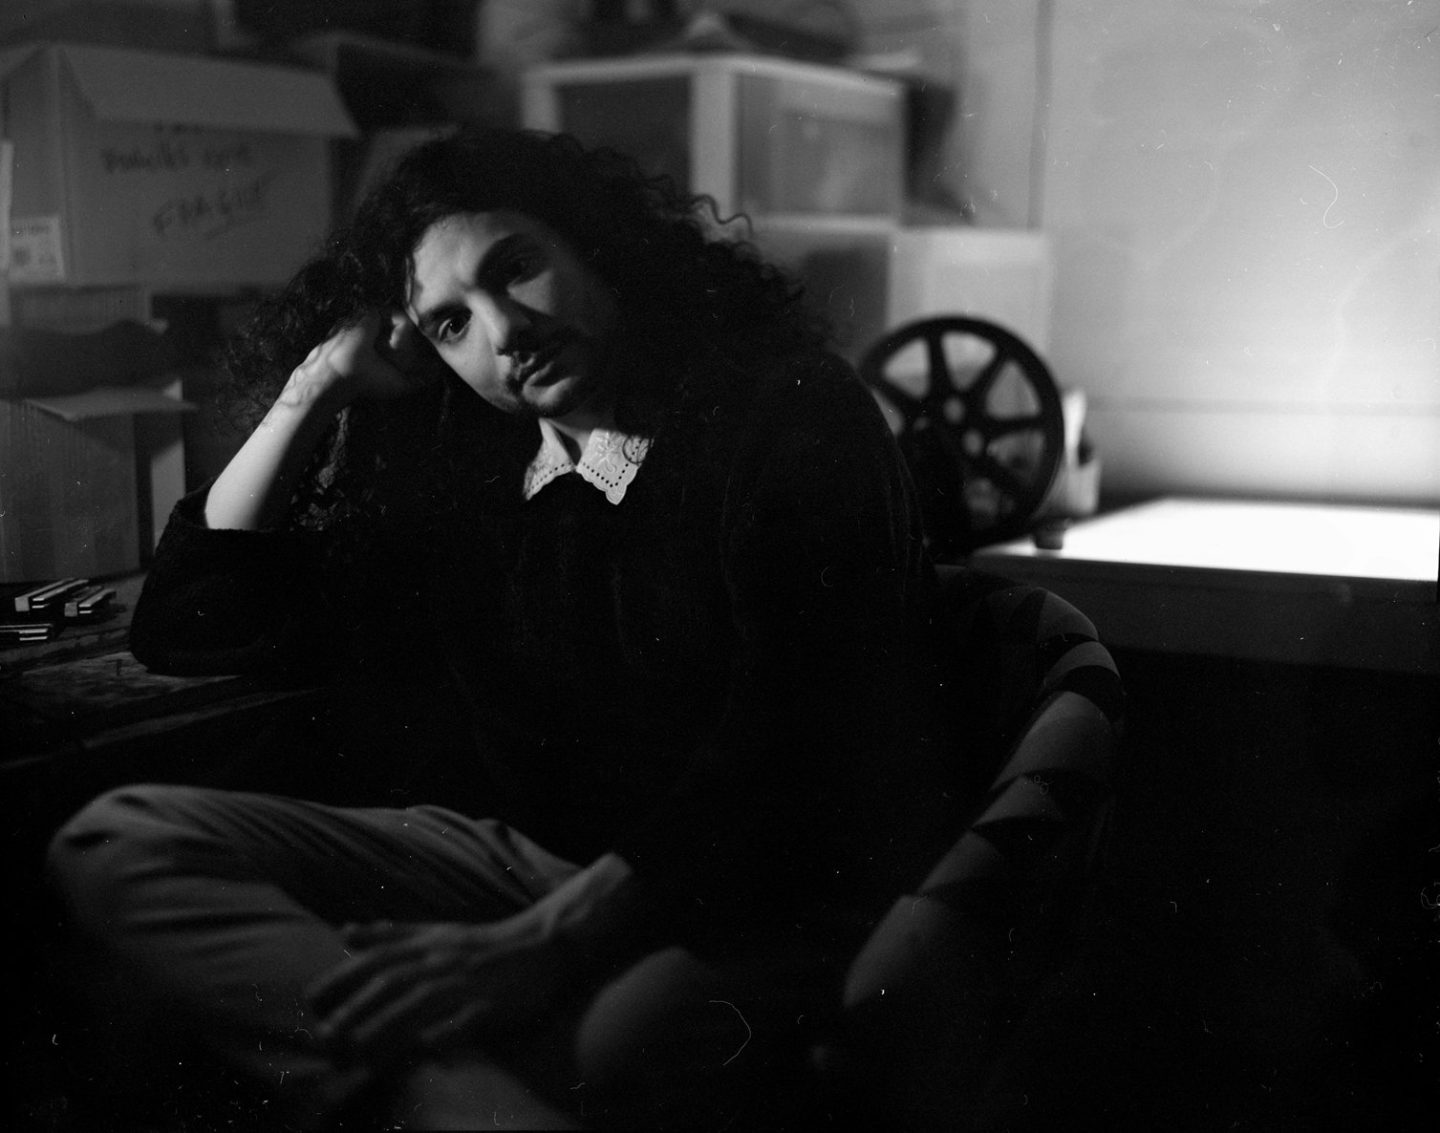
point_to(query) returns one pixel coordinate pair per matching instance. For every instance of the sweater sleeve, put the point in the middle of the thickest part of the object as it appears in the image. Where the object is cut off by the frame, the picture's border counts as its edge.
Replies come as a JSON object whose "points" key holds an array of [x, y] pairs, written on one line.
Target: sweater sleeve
{"points": [[290, 601], [220, 601], [801, 794]]}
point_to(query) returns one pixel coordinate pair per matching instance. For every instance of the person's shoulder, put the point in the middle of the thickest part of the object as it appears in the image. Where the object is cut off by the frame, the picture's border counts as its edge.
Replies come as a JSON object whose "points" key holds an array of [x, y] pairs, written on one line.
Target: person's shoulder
{"points": [[819, 366], [766, 408], [813, 389]]}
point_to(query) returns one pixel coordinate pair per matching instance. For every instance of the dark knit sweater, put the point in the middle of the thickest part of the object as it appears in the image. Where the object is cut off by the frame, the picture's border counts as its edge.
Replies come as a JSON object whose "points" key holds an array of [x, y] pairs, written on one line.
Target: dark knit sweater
{"points": [[727, 678]]}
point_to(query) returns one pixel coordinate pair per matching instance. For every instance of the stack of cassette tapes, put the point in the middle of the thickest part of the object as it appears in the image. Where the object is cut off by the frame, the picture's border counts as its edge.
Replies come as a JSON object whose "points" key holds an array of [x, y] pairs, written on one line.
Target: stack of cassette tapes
{"points": [[36, 611]]}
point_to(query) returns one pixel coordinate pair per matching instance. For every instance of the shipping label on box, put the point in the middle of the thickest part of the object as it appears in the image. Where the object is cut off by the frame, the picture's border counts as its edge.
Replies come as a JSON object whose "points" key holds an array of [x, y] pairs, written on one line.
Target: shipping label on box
{"points": [[164, 169], [35, 250]]}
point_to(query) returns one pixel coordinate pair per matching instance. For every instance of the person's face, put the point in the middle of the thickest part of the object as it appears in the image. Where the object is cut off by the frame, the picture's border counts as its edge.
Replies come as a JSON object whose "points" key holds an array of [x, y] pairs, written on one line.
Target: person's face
{"points": [[511, 308]]}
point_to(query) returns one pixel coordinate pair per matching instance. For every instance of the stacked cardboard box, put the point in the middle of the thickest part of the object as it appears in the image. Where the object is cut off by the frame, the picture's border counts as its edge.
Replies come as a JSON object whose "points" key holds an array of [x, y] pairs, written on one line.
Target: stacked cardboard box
{"points": [[172, 171], [136, 172]]}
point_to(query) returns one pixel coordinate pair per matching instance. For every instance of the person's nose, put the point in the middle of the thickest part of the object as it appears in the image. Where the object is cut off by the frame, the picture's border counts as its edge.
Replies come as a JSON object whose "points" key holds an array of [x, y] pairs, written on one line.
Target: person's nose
{"points": [[512, 326]]}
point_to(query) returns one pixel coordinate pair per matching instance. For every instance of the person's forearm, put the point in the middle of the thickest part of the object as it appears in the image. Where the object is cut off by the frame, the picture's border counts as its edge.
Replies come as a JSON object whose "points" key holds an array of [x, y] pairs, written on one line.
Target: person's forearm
{"points": [[377, 357], [254, 490]]}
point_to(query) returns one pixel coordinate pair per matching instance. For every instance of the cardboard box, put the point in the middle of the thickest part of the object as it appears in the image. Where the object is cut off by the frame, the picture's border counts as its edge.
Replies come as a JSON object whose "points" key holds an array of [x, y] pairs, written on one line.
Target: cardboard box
{"points": [[93, 317], [80, 310], [168, 170], [165, 25], [71, 500]]}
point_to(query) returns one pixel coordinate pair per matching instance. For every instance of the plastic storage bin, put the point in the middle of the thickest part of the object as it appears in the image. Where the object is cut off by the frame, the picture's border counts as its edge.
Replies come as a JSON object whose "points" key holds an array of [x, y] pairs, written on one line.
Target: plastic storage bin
{"points": [[765, 137]]}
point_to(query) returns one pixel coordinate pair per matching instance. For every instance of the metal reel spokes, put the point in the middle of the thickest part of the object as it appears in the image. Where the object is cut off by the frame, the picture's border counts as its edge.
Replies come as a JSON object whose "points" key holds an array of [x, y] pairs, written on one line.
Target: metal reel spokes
{"points": [[978, 417]]}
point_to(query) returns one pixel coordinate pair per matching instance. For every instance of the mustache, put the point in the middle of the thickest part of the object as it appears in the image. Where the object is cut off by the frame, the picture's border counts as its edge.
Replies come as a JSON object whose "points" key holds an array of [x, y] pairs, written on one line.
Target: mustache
{"points": [[527, 360], [530, 346]]}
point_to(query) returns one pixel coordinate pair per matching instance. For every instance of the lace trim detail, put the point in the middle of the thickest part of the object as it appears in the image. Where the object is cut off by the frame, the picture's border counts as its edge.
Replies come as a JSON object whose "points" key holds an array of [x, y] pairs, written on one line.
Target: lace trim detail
{"points": [[609, 462]]}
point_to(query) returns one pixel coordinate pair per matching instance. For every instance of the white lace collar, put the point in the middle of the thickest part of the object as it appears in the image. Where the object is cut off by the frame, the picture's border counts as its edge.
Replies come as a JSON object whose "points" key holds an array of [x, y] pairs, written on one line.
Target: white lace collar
{"points": [[609, 462]]}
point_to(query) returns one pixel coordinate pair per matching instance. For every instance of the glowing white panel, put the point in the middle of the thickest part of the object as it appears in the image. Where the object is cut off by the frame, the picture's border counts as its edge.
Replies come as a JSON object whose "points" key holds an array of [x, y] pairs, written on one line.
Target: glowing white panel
{"points": [[1336, 541], [1296, 583]]}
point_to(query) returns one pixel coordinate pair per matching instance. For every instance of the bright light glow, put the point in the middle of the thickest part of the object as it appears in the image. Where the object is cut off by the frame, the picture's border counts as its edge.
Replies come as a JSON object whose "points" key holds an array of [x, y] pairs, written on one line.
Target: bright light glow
{"points": [[1340, 541]]}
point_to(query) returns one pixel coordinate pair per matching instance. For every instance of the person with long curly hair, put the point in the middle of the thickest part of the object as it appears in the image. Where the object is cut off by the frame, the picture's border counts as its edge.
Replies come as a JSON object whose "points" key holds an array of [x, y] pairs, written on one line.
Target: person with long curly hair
{"points": [[630, 719]]}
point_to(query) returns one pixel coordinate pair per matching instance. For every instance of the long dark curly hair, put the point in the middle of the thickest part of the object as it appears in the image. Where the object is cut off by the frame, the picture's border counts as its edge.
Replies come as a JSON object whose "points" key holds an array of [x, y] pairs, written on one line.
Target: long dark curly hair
{"points": [[700, 316]]}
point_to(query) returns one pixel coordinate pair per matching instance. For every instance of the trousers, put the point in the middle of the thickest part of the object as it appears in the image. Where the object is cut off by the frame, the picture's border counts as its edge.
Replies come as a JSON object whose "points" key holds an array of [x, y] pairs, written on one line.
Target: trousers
{"points": [[195, 918]]}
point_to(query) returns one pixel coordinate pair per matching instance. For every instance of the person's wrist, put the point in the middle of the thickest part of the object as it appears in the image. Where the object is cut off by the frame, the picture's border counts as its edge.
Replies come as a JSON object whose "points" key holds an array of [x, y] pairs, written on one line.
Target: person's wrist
{"points": [[601, 917], [317, 389]]}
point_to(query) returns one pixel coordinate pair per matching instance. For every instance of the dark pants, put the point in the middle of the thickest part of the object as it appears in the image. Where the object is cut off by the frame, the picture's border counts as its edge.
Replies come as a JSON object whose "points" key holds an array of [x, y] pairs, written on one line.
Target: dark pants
{"points": [[196, 917]]}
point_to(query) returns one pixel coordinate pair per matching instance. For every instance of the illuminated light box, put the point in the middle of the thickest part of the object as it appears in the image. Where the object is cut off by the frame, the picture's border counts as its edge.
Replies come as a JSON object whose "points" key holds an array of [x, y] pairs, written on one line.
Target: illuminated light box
{"points": [[1308, 583], [1251, 535]]}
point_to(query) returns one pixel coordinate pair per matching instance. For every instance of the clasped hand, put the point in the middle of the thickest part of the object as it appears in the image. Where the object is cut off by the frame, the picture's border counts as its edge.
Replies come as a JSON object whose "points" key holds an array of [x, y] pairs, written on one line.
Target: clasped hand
{"points": [[411, 987], [379, 357]]}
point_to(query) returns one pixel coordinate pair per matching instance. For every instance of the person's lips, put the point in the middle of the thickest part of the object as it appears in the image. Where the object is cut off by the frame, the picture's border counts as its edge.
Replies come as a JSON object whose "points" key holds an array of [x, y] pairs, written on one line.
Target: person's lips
{"points": [[538, 366]]}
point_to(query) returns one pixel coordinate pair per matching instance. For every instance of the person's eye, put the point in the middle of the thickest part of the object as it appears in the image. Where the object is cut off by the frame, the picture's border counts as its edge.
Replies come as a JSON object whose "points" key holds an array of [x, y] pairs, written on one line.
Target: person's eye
{"points": [[522, 266], [451, 328]]}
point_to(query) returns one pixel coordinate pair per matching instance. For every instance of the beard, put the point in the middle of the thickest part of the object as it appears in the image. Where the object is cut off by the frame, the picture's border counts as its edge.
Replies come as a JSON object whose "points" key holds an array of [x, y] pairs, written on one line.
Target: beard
{"points": [[588, 384]]}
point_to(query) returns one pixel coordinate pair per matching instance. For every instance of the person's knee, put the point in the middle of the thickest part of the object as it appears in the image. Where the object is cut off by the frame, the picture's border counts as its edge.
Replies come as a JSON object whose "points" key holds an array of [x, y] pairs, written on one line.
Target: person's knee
{"points": [[98, 847], [669, 1022], [630, 1018], [676, 1041]]}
